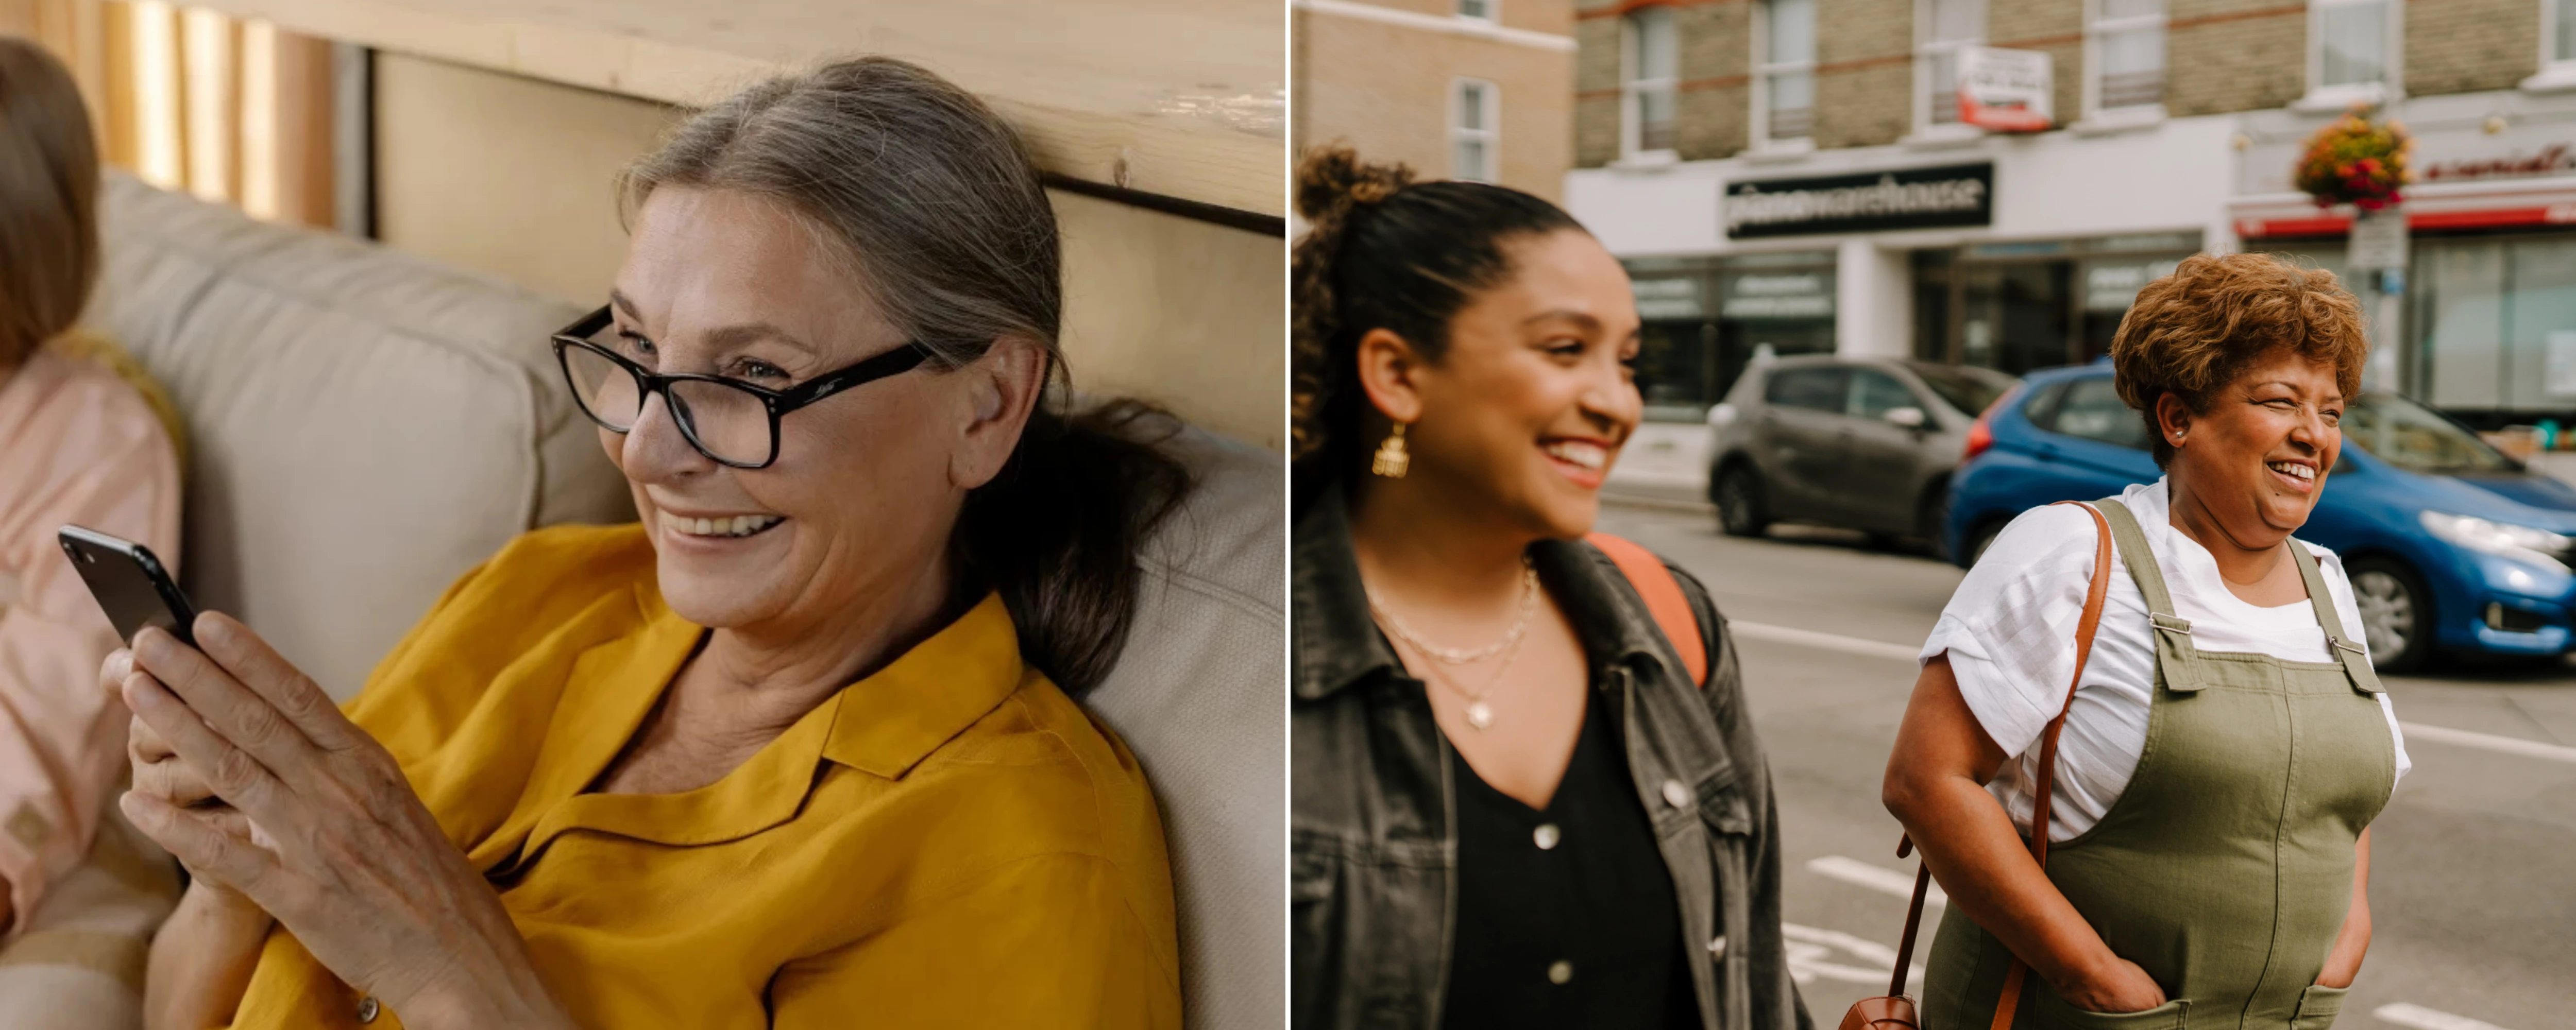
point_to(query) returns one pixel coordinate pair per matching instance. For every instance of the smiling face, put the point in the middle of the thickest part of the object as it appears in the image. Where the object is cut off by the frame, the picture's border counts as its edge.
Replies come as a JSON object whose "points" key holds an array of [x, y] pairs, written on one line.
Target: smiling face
{"points": [[863, 494], [2258, 457], [1524, 413]]}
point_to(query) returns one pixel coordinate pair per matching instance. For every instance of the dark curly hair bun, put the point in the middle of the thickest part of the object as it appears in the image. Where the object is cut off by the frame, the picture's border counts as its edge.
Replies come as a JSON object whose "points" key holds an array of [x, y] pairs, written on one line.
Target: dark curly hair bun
{"points": [[1331, 180], [1382, 251]]}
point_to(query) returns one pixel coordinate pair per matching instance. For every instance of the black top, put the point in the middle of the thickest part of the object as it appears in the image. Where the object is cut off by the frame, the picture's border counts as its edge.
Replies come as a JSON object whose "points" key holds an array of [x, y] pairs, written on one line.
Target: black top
{"points": [[1566, 915]]}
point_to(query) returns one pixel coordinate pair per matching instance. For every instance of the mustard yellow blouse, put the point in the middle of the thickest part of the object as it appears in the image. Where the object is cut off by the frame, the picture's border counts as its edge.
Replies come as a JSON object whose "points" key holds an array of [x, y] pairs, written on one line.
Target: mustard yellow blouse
{"points": [[949, 842]]}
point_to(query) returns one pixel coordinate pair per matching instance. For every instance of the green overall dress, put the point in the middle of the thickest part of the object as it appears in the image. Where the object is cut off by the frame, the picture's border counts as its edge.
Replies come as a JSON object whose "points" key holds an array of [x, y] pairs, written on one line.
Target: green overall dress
{"points": [[2225, 868]]}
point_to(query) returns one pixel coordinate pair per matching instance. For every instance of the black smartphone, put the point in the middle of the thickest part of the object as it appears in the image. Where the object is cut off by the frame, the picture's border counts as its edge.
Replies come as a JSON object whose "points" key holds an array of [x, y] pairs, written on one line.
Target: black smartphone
{"points": [[132, 586]]}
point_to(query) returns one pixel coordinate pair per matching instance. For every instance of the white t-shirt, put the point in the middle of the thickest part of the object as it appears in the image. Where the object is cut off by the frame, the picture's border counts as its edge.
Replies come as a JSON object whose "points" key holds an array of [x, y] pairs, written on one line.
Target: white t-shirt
{"points": [[2010, 635]]}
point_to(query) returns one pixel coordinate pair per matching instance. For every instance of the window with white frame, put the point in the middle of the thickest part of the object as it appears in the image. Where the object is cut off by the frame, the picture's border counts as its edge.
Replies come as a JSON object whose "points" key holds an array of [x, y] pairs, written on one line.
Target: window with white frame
{"points": [[2352, 49], [1945, 26], [2127, 54], [1475, 109], [1651, 65], [1481, 9], [2562, 30], [1785, 81]]}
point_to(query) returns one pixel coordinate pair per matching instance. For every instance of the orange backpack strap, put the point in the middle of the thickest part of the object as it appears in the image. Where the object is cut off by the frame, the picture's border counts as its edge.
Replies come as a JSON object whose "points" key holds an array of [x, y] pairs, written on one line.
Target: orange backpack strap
{"points": [[1664, 599]]}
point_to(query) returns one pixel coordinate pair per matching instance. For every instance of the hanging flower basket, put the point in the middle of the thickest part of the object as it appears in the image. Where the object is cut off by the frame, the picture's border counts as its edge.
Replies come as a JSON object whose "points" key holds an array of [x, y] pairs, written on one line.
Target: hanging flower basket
{"points": [[2357, 160]]}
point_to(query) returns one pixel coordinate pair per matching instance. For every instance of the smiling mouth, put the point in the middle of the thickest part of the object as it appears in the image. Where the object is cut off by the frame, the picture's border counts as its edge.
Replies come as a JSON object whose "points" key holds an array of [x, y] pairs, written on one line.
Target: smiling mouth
{"points": [[1582, 454], [2294, 470], [721, 528]]}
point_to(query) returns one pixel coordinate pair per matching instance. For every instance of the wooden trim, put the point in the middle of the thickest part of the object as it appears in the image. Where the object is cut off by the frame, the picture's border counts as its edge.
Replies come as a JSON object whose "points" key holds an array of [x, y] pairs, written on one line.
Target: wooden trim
{"points": [[2195, 21], [1625, 6], [1717, 82], [1860, 64], [2041, 42]]}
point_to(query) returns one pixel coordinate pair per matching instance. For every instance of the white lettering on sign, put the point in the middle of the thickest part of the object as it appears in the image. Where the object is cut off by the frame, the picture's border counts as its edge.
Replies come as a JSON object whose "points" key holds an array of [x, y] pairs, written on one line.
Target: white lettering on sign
{"points": [[1776, 285], [1751, 206]]}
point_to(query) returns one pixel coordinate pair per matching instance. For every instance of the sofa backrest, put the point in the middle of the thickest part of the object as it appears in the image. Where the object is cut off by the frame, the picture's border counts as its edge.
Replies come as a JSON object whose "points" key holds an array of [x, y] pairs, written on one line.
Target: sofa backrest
{"points": [[364, 426], [1200, 694]]}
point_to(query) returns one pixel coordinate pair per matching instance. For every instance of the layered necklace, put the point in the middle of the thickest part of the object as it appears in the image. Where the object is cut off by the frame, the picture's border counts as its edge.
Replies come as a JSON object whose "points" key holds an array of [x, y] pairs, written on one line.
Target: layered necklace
{"points": [[1479, 714]]}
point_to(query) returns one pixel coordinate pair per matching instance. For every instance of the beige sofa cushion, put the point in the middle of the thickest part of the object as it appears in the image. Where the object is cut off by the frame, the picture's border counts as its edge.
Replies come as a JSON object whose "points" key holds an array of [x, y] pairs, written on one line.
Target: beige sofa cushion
{"points": [[1200, 696], [365, 426]]}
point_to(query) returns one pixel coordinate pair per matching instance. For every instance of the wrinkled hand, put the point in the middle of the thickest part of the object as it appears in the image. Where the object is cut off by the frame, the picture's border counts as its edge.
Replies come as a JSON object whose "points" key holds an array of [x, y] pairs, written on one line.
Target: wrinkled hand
{"points": [[318, 827], [2119, 987], [160, 774]]}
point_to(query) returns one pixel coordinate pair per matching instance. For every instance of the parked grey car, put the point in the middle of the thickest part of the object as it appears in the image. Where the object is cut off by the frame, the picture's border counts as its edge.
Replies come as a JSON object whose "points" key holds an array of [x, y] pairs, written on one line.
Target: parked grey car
{"points": [[1860, 443]]}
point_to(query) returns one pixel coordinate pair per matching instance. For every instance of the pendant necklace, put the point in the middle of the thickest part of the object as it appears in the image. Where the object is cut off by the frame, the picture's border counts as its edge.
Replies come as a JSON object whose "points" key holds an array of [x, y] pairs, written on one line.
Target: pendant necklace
{"points": [[1479, 714]]}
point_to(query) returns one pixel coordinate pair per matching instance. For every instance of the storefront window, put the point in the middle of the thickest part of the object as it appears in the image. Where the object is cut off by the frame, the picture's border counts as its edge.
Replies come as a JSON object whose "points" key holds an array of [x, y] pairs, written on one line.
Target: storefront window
{"points": [[2020, 306], [2496, 320], [1705, 319]]}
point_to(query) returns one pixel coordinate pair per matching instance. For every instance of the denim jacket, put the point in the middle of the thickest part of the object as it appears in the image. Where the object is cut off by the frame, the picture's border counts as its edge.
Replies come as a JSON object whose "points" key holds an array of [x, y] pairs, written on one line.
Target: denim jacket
{"points": [[1373, 837]]}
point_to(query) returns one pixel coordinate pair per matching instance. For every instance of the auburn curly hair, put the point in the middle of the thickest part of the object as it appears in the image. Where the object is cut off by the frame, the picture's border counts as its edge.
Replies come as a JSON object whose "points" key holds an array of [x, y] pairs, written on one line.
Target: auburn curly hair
{"points": [[2194, 331], [1382, 252]]}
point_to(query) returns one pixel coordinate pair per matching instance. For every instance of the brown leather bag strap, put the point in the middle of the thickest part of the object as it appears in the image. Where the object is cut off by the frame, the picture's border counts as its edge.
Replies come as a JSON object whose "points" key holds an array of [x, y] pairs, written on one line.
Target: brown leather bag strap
{"points": [[2046, 788]]}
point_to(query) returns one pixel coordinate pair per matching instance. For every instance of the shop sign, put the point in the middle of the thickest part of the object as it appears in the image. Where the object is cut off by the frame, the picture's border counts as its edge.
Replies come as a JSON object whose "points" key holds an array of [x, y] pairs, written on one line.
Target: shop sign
{"points": [[1913, 198], [2005, 90], [1667, 299], [2548, 160], [1756, 296], [2378, 241]]}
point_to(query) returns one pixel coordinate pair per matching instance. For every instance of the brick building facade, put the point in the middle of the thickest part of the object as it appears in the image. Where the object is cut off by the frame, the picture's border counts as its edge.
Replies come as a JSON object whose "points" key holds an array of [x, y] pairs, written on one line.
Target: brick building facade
{"points": [[1703, 128], [1426, 82]]}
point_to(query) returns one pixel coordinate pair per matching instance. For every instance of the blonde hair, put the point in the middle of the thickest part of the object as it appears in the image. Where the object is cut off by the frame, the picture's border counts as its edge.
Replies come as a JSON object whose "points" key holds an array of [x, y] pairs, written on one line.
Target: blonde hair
{"points": [[48, 200]]}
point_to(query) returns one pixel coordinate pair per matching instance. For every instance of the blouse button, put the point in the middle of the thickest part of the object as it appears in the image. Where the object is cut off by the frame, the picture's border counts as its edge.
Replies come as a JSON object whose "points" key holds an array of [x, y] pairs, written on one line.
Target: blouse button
{"points": [[1717, 946], [1676, 795], [1560, 971], [1546, 836], [367, 1009]]}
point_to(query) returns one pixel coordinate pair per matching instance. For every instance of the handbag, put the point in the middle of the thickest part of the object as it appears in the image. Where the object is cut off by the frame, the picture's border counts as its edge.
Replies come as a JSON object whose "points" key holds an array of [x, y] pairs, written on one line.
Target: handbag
{"points": [[1896, 1009]]}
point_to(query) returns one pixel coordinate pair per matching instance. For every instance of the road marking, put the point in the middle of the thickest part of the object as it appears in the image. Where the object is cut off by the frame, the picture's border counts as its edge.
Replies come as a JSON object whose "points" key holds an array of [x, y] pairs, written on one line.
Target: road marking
{"points": [[1883, 649], [2488, 741], [2403, 1014], [1878, 878], [1826, 641], [1809, 947]]}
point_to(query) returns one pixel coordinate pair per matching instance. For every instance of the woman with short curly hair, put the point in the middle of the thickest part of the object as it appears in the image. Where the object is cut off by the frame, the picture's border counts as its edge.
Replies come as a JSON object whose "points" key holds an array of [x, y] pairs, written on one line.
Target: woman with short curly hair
{"points": [[2226, 744]]}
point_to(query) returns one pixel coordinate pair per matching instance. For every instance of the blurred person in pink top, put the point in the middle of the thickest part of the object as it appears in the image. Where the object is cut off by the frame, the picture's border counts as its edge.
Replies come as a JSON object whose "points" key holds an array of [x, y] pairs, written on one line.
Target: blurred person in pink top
{"points": [[83, 439]]}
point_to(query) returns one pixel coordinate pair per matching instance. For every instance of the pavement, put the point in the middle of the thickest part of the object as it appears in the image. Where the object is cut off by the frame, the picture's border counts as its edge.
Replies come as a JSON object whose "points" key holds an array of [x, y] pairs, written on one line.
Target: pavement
{"points": [[2473, 871]]}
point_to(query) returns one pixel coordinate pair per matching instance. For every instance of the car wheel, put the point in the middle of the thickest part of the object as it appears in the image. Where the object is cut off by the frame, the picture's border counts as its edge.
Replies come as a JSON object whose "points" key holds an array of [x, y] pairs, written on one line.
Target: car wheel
{"points": [[2396, 614], [1932, 520], [1739, 502]]}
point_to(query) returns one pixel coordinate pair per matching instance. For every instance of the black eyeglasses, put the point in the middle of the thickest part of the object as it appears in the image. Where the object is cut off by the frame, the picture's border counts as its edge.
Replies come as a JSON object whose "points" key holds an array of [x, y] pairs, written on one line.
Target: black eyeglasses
{"points": [[730, 421]]}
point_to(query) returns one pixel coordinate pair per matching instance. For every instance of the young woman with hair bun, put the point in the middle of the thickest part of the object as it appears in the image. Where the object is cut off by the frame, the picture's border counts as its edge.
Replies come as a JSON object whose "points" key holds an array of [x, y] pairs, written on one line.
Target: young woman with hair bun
{"points": [[1514, 802]]}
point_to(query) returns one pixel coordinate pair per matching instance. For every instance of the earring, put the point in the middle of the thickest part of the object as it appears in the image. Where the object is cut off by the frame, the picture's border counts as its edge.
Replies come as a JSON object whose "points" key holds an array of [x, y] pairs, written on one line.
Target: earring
{"points": [[1392, 459]]}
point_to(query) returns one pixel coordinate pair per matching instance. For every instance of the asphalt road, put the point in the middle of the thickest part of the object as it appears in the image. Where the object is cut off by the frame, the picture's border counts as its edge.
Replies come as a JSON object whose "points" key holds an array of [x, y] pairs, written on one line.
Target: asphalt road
{"points": [[2473, 878]]}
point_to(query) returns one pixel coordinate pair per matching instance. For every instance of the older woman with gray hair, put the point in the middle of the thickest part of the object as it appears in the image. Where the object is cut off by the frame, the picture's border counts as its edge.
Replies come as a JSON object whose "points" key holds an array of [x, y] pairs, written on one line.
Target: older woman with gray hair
{"points": [[800, 744]]}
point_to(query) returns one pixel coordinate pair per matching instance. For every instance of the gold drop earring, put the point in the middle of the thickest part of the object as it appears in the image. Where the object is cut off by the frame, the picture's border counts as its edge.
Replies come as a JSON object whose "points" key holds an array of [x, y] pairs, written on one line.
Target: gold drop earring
{"points": [[1392, 459]]}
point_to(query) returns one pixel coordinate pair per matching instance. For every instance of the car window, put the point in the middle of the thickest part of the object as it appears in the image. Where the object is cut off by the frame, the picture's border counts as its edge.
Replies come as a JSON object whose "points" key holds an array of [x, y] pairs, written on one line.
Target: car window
{"points": [[2405, 434], [1969, 390], [1818, 387], [1874, 394], [2041, 406], [2092, 409]]}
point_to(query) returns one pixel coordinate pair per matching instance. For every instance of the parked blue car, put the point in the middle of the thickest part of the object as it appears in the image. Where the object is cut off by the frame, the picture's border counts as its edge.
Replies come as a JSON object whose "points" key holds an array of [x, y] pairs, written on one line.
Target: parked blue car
{"points": [[2451, 545]]}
